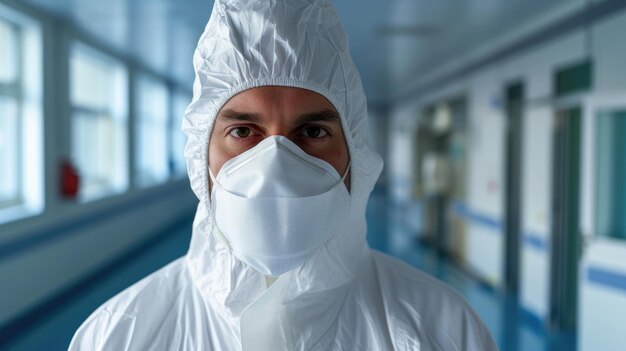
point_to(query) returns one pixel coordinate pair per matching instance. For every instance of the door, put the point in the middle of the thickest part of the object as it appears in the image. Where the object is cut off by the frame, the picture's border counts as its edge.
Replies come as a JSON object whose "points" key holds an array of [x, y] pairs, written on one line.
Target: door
{"points": [[565, 245], [571, 84]]}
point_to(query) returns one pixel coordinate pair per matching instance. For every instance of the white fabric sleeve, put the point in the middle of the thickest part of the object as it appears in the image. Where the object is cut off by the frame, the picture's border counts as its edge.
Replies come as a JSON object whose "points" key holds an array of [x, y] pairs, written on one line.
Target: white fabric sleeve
{"points": [[104, 330]]}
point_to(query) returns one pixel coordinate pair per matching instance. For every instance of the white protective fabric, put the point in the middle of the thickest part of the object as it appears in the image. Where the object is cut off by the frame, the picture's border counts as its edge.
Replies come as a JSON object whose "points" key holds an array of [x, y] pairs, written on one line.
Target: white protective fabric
{"points": [[291, 201], [345, 296]]}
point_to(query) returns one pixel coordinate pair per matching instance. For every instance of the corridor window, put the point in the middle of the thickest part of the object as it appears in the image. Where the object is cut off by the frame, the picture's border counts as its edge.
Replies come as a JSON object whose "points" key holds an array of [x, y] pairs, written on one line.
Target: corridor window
{"points": [[181, 101], [21, 181], [9, 128], [99, 121], [610, 202], [152, 130]]}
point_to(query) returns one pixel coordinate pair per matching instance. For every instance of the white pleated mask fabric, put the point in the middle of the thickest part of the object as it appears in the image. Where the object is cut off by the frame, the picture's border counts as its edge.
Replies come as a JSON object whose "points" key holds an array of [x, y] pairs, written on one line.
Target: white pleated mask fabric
{"points": [[275, 205]]}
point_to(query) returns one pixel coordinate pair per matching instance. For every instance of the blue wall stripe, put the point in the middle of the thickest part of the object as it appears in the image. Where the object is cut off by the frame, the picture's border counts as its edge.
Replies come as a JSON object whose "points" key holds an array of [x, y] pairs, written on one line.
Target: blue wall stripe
{"points": [[534, 240], [464, 211], [534, 320], [59, 231], [616, 280]]}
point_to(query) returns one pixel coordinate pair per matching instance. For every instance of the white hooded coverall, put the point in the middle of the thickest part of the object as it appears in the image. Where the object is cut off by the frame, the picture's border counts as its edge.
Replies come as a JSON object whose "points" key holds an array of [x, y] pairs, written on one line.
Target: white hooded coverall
{"points": [[345, 296]]}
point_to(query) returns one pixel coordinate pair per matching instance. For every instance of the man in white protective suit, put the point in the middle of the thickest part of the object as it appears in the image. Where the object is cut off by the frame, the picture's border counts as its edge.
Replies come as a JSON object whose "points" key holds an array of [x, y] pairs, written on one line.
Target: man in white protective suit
{"points": [[277, 154]]}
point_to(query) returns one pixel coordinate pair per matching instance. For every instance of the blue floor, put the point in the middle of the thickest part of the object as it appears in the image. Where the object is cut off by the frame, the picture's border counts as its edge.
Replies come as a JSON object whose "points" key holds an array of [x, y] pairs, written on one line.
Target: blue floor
{"points": [[512, 329], [55, 330]]}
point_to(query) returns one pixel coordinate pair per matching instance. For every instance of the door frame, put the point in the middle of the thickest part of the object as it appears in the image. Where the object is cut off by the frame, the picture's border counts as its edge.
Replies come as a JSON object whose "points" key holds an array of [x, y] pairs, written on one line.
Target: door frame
{"points": [[514, 143], [564, 279]]}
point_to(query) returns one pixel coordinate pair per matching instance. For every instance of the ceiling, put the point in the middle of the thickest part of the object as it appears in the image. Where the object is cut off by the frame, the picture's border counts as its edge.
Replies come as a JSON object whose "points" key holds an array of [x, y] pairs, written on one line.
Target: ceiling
{"points": [[393, 42]]}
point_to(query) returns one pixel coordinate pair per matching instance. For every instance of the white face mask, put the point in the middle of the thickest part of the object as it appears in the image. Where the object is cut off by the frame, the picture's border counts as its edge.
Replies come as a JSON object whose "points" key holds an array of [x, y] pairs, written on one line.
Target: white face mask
{"points": [[275, 205]]}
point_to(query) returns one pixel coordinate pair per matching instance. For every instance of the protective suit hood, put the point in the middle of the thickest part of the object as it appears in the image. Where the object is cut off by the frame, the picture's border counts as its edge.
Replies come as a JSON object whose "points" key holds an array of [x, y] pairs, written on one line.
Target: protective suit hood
{"points": [[296, 43]]}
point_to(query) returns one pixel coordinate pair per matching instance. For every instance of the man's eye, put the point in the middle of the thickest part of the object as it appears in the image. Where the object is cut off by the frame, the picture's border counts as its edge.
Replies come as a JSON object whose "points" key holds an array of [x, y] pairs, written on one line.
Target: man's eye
{"points": [[240, 132], [314, 132]]}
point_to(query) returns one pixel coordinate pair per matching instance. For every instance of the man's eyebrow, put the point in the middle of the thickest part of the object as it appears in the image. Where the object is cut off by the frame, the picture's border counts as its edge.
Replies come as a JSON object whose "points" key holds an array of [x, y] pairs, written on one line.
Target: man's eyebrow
{"points": [[320, 116], [233, 115], [330, 116]]}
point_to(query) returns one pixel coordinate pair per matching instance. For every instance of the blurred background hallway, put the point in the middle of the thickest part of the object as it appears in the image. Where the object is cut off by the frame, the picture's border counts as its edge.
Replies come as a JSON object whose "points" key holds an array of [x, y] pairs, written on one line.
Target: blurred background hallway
{"points": [[502, 125]]}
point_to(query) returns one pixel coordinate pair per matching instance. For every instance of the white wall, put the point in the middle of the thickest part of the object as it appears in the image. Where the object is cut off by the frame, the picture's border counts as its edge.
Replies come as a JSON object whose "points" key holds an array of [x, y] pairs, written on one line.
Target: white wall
{"points": [[400, 156], [602, 308], [485, 182], [609, 54], [536, 209]]}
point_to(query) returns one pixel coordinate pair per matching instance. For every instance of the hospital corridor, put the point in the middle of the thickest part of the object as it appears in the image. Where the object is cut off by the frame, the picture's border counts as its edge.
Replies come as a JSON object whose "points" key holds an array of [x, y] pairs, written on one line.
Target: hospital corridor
{"points": [[272, 174]]}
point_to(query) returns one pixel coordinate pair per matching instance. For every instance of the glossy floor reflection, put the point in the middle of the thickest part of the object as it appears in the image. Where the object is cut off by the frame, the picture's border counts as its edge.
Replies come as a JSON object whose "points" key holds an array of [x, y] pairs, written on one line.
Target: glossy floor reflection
{"points": [[54, 329], [390, 231], [511, 328]]}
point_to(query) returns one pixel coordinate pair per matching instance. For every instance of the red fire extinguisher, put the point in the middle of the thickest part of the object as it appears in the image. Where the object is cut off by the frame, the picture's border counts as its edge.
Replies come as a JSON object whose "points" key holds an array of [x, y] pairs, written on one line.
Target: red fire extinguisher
{"points": [[70, 180]]}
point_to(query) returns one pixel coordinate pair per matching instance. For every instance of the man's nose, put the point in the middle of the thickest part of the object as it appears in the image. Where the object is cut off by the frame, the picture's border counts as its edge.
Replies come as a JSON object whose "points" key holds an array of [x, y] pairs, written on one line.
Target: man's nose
{"points": [[279, 131]]}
